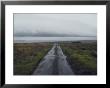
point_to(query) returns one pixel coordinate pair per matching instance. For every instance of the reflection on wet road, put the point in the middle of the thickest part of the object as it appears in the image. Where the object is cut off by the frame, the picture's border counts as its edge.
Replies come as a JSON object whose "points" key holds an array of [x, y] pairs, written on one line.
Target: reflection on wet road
{"points": [[54, 63]]}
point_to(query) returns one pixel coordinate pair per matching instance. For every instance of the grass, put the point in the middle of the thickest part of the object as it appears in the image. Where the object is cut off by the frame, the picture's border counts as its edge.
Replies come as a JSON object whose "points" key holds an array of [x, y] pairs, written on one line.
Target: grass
{"points": [[82, 57], [27, 56]]}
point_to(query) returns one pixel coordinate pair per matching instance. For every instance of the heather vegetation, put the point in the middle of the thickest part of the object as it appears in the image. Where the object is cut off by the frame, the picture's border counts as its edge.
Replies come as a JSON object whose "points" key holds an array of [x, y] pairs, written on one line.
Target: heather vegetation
{"points": [[82, 57], [27, 56]]}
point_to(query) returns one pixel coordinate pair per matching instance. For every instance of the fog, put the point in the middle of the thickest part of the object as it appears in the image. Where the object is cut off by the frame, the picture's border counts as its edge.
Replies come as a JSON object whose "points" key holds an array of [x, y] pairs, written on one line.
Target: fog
{"points": [[57, 25]]}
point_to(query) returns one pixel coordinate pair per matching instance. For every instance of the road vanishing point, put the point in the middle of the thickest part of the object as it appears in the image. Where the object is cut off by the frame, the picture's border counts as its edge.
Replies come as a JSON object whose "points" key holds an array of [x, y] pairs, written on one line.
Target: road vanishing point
{"points": [[54, 63]]}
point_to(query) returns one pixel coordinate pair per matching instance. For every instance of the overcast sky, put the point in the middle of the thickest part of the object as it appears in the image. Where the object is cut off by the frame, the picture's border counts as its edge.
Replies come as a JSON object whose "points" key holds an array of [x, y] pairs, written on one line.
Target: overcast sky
{"points": [[53, 24]]}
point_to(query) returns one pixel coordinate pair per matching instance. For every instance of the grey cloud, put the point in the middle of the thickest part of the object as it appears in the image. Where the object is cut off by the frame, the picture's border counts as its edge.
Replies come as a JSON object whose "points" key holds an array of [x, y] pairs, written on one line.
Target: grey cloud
{"points": [[55, 24]]}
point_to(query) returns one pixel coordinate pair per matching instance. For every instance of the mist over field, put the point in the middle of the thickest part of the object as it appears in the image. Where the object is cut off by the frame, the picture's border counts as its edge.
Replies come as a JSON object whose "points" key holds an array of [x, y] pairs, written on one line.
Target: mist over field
{"points": [[55, 25], [55, 44]]}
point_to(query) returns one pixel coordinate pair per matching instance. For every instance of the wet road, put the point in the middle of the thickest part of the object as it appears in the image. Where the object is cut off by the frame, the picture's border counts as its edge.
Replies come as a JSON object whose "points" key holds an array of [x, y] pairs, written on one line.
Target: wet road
{"points": [[54, 63]]}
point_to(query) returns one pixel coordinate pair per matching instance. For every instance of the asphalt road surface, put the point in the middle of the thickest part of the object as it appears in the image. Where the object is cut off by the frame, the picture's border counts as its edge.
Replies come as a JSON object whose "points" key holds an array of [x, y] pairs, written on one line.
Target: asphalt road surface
{"points": [[54, 63]]}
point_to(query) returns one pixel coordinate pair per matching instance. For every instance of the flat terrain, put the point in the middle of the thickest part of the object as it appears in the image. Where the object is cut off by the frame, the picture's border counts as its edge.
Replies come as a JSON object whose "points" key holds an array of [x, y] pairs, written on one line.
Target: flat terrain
{"points": [[63, 58], [28, 55], [82, 57]]}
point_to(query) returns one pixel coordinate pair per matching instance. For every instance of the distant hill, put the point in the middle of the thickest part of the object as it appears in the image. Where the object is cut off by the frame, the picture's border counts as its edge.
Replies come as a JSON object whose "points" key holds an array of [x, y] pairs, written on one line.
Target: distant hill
{"points": [[45, 34]]}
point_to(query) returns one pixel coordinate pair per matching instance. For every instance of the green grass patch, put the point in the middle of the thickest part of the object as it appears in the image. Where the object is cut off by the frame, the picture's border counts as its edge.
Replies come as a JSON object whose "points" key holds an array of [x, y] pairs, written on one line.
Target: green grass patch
{"points": [[28, 56], [83, 55]]}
